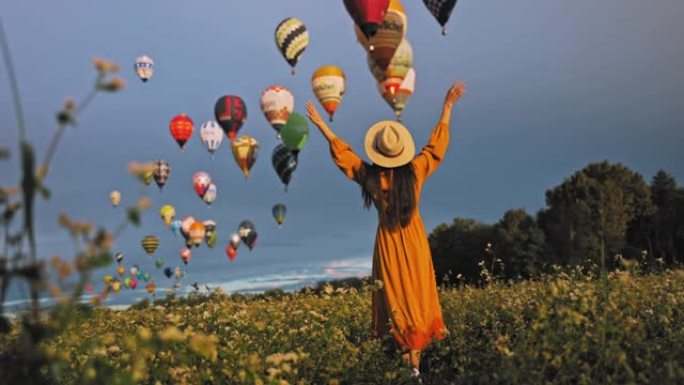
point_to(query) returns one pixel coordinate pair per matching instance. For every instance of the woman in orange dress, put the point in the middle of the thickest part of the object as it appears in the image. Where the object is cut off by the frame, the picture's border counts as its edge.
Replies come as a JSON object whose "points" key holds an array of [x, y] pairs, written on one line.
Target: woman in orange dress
{"points": [[407, 306]]}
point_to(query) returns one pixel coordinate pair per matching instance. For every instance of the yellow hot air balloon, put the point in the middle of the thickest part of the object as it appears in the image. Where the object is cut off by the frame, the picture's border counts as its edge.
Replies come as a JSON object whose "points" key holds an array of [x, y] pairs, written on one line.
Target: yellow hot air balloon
{"points": [[329, 84], [382, 46], [167, 213], [396, 71], [115, 198], [245, 150], [398, 102], [292, 38]]}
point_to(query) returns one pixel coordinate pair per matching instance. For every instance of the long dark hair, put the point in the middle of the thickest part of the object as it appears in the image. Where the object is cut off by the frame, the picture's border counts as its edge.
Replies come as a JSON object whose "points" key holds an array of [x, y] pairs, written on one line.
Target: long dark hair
{"points": [[396, 204]]}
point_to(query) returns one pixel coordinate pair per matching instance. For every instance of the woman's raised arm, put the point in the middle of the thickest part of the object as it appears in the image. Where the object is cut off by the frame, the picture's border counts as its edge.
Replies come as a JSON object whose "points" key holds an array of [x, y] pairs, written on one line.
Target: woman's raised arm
{"points": [[432, 154]]}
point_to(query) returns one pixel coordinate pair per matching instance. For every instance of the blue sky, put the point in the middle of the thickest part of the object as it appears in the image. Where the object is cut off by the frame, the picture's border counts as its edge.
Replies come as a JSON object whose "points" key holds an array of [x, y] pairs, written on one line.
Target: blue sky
{"points": [[552, 87]]}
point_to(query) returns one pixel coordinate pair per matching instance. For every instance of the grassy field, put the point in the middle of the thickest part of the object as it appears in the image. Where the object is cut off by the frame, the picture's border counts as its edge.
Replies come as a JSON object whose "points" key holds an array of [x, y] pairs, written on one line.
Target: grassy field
{"points": [[567, 328]]}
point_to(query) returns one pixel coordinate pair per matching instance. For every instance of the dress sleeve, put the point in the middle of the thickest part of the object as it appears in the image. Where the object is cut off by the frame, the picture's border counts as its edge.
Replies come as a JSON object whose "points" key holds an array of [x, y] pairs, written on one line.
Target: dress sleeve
{"points": [[345, 158], [432, 154]]}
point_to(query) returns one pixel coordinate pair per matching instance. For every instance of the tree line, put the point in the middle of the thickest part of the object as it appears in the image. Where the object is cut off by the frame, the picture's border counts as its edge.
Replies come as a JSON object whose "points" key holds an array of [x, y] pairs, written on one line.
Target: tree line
{"points": [[597, 217]]}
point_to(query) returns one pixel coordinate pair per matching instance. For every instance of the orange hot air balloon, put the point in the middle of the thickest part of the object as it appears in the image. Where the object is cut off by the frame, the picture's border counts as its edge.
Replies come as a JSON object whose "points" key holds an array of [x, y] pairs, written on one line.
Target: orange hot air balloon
{"points": [[181, 128], [197, 232], [392, 31], [328, 84], [245, 150]]}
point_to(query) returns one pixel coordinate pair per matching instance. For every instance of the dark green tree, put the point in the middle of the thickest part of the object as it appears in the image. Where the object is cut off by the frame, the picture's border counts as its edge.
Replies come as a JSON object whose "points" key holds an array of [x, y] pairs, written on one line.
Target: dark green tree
{"points": [[458, 248], [588, 215], [519, 243]]}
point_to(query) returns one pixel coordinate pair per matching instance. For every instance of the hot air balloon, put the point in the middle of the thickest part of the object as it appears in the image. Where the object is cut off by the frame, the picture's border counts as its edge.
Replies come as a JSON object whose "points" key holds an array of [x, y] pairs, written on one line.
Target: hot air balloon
{"points": [[159, 263], [235, 240], [210, 196], [441, 10], [144, 67], [134, 270], [201, 182], [328, 84], [108, 279], [185, 226], [133, 283], [151, 287], [176, 227], [248, 233], [277, 103], [127, 282], [145, 277], [231, 114], [295, 133], [118, 257], [245, 150], [115, 198], [367, 14], [396, 71], [398, 102], [168, 272], [167, 214], [209, 228], [149, 244], [186, 255], [284, 162], [279, 211], [210, 240], [178, 272], [181, 128], [292, 38], [212, 136], [197, 231], [116, 286], [384, 44], [231, 252], [121, 270]]}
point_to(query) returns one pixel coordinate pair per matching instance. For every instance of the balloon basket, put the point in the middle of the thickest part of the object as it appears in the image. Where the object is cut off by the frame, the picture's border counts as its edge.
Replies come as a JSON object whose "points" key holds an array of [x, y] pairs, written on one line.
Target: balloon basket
{"points": [[292, 72], [444, 31]]}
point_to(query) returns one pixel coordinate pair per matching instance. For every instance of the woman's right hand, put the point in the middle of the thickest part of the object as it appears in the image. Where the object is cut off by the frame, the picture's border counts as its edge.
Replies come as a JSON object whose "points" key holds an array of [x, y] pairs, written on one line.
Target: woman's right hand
{"points": [[316, 119], [457, 89], [313, 115]]}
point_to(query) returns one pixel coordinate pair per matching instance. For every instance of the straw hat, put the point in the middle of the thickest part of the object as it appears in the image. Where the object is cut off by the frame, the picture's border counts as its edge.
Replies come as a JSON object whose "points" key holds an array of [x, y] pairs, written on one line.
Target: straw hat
{"points": [[389, 144]]}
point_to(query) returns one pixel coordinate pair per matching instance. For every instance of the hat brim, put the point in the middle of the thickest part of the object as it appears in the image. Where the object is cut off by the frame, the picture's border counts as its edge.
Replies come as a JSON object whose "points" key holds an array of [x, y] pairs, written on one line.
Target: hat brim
{"points": [[378, 158]]}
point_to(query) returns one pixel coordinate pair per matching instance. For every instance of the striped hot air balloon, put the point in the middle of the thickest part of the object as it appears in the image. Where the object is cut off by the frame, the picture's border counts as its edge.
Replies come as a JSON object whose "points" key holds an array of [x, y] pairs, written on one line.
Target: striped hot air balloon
{"points": [[384, 44], [277, 103], [279, 211], [150, 244], [144, 67], [161, 173], [367, 14], [396, 71], [398, 102], [245, 150], [441, 10], [212, 136], [329, 84], [284, 162], [292, 38], [231, 114], [181, 128]]}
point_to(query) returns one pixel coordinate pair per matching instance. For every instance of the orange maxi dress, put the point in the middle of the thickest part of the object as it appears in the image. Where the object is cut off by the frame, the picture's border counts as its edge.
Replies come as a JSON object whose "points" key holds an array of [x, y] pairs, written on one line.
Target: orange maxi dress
{"points": [[407, 306]]}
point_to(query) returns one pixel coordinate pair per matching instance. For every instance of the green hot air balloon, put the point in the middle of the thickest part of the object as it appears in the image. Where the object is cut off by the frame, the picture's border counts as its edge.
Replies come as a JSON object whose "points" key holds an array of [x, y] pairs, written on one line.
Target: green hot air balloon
{"points": [[279, 211], [159, 263], [296, 132], [150, 244]]}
